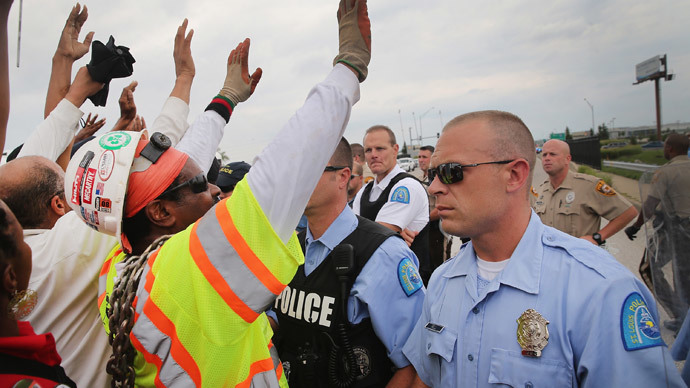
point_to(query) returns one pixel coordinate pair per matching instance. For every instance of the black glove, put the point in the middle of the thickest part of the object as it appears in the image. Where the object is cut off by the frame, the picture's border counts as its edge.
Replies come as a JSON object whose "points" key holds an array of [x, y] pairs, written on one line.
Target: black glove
{"points": [[631, 231], [107, 62]]}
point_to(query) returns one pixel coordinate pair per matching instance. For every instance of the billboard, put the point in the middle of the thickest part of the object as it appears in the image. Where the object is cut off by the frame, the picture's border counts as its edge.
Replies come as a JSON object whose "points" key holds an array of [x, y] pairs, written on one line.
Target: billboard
{"points": [[648, 68]]}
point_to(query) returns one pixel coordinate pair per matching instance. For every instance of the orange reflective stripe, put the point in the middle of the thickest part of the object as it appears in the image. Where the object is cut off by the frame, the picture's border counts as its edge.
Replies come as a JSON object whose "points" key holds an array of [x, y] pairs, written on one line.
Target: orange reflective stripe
{"points": [[279, 370], [256, 368], [101, 298], [177, 350], [216, 280], [167, 327], [250, 260], [150, 358], [106, 265]]}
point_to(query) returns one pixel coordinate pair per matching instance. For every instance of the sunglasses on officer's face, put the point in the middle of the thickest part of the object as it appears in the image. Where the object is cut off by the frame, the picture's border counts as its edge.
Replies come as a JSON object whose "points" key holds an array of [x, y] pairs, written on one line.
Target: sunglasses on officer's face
{"points": [[449, 173], [198, 184]]}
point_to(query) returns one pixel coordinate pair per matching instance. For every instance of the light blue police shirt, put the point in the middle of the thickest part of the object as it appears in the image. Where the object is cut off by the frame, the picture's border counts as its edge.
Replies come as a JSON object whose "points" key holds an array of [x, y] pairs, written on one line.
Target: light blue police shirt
{"points": [[595, 308], [377, 293]]}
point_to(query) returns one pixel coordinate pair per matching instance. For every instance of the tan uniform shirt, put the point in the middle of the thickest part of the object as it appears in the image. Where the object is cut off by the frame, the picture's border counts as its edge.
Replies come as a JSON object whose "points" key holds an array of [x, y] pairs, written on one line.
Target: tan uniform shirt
{"points": [[577, 206], [671, 185]]}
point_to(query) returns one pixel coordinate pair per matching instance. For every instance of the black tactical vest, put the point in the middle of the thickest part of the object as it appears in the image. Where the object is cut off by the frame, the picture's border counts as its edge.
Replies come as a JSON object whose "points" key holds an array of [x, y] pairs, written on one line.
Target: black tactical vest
{"points": [[309, 314], [370, 210]]}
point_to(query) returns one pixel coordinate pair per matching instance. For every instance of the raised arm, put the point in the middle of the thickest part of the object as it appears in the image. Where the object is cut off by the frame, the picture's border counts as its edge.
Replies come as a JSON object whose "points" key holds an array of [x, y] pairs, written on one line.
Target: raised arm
{"points": [[57, 131], [69, 50], [172, 120], [202, 138], [305, 144]]}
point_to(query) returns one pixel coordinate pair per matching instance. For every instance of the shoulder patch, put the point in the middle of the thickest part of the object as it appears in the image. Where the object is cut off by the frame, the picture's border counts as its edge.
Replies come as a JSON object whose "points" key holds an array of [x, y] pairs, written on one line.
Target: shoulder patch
{"points": [[604, 189], [638, 329], [401, 194], [534, 192], [409, 278]]}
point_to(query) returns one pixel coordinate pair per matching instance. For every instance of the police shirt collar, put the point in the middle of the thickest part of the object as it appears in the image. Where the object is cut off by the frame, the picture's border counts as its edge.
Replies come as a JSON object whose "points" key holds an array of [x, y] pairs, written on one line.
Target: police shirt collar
{"points": [[524, 269], [343, 225], [679, 158], [568, 181], [386, 180]]}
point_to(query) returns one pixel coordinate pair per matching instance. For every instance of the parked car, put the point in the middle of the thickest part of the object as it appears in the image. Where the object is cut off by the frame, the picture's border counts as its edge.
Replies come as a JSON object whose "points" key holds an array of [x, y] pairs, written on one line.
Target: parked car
{"points": [[614, 145], [653, 144], [406, 164]]}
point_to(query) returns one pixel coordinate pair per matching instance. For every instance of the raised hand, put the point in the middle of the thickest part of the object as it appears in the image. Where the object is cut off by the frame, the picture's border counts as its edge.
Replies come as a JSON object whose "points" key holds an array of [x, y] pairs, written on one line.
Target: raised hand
{"points": [[354, 31], [182, 53], [69, 46], [82, 87], [239, 85], [91, 126], [128, 110]]}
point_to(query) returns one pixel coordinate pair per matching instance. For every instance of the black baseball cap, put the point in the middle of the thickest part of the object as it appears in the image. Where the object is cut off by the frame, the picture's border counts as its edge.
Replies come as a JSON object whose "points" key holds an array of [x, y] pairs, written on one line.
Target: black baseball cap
{"points": [[230, 174]]}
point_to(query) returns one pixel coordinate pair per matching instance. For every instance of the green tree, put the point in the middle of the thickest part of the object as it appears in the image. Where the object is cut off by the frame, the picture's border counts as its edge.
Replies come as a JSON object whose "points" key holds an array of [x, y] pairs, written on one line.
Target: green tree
{"points": [[603, 132], [633, 140], [224, 158], [591, 132], [404, 149], [568, 136]]}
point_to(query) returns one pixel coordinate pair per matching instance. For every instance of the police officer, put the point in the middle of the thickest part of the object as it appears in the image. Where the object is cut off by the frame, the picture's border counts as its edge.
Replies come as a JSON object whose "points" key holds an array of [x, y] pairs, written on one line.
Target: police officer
{"points": [[395, 199], [229, 175], [522, 304], [670, 193], [574, 203], [366, 315]]}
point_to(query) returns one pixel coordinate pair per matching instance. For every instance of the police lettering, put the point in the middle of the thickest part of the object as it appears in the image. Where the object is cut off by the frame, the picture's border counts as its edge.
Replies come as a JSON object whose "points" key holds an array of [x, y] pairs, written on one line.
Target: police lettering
{"points": [[311, 307]]}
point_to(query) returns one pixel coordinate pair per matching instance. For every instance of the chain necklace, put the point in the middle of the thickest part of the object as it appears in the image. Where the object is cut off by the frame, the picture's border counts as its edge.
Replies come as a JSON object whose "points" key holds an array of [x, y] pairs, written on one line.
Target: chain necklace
{"points": [[120, 313]]}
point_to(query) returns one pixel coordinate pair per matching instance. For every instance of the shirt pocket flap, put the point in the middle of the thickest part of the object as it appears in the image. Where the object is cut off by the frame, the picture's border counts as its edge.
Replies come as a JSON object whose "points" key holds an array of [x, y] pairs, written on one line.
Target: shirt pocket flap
{"points": [[568, 209], [514, 369], [441, 343]]}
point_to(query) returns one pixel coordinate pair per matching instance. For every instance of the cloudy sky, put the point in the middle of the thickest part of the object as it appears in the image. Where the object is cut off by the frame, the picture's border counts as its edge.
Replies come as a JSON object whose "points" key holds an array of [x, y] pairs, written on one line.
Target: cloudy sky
{"points": [[434, 60]]}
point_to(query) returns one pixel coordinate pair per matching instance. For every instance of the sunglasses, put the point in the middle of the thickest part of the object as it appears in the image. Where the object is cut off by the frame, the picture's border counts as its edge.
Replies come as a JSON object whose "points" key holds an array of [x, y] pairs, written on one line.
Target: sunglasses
{"points": [[198, 184], [449, 173]]}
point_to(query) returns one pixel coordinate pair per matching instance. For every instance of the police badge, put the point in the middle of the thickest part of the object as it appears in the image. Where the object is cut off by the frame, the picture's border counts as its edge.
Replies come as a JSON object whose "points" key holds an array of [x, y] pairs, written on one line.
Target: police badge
{"points": [[532, 333]]}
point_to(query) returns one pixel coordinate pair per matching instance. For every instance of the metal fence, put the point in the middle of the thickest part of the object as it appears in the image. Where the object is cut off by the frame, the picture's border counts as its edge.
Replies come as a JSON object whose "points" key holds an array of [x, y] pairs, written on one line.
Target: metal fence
{"points": [[586, 151]]}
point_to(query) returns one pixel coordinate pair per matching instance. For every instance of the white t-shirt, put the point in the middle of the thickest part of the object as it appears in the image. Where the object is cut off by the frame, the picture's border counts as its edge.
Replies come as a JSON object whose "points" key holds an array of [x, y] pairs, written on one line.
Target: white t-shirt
{"points": [[408, 204]]}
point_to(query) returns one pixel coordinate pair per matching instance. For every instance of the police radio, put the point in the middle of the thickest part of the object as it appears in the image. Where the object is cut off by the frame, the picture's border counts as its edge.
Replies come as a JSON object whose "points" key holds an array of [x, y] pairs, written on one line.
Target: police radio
{"points": [[343, 259]]}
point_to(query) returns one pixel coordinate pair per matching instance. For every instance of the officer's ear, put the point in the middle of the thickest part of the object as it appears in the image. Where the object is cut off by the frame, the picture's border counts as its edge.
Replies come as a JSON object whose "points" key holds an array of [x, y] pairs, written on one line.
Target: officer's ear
{"points": [[344, 178], [517, 173], [159, 213]]}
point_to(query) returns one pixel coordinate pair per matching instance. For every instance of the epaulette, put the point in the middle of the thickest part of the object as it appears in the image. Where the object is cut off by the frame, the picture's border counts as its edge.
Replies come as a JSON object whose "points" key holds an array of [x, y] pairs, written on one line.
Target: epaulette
{"points": [[587, 177], [584, 252]]}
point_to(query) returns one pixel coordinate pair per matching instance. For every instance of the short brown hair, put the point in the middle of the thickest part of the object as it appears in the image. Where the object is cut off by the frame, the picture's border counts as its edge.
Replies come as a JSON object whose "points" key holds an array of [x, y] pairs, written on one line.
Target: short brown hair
{"points": [[342, 156], [513, 138], [375, 128]]}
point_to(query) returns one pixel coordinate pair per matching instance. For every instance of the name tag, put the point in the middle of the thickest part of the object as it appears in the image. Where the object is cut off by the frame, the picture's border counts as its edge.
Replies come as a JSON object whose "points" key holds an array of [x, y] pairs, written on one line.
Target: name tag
{"points": [[434, 327]]}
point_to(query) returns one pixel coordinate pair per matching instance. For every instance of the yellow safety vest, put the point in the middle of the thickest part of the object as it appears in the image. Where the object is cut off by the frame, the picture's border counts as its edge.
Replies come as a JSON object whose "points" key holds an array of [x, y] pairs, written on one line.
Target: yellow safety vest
{"points": [[199, 310]]}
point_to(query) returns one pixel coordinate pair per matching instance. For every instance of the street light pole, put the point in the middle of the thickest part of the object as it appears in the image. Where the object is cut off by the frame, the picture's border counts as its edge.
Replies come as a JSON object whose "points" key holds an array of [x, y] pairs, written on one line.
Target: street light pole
{"points": [[402, 130], [421, 136], [592, 108]]}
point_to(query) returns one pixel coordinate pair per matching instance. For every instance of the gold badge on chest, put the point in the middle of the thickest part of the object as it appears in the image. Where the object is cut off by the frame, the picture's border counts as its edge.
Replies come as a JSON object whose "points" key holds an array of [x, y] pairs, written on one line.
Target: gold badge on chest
{"points": [[532, 333]]}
